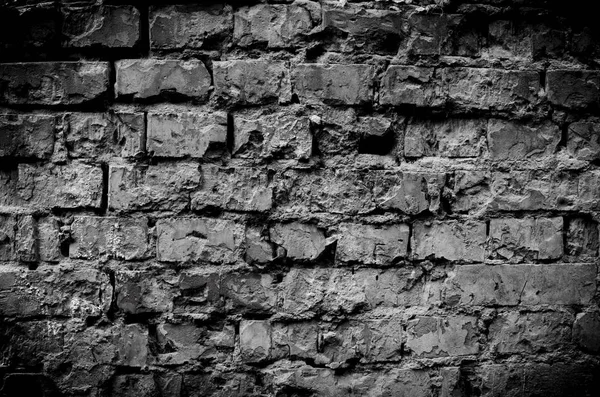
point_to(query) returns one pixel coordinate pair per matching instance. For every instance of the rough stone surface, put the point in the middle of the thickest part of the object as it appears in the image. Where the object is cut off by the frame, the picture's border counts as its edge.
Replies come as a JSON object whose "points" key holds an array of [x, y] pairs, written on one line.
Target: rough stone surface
{"points": [[109, 26], [518, 240], [252, 82], [334, 84], [292, 198], [147, 78], [450, 240], [184, 26], [186, 134], [27, 135], [49, 83]]}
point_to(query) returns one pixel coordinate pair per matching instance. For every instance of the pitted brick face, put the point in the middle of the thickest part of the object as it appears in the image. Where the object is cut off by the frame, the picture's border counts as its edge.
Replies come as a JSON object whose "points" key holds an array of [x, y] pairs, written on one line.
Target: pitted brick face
{"points": [[299, 198]]}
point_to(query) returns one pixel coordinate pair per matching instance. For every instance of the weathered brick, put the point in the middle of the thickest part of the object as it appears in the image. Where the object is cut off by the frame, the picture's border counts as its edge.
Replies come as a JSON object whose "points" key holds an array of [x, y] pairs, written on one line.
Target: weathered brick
{"points": [[189, 26], [583, 140], [247, 293], [277, 25], [183, 134], [27, 135], [509, 39], [409, 192], [8, 227], [142, 385], [198, 239], [139, 292], [364, 30], [59, 291], [444, 138], [582, 238], [518, 240], [411, 85], [573, 88], [300, 241], [25, 29], [434, 34], [37, 341], [514, 141], [233, 188], [252, 81], [477, 88], [105, 135], [451, 240], [509, 285], [109, 237], [471, 192], [514, 332], [278, 135], [255, 340], [162, 186], [258, 247], [334, 84], [53, 83], [26, 237], [442, 336], [372, 244], [109, 26], [552, 380], [586, 331], [49, 239], [131, 342], [147, 78], [75, 185]]}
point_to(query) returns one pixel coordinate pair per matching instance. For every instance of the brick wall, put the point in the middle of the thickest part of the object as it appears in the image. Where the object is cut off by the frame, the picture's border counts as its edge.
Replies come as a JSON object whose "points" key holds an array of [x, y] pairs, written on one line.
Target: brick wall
{"points": [[388, 198]]}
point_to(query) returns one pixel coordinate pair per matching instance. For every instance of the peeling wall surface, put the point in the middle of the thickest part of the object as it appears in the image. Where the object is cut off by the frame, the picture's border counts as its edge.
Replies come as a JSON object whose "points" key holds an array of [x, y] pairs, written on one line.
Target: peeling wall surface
{"points": [[395, 198]]}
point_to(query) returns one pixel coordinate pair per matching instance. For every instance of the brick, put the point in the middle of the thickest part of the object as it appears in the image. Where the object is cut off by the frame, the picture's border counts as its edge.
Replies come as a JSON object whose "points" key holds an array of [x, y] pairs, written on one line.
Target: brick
{"points": [[518, 240], [37, 340], [109, 237], [372, 244], [537, 190], [442, 336], [131, 342], [105, 135], [583, 140], [198, 239], [446, 34], [586, 331], [252, 82], [582, 238], [247, 293], [334, 84], [75, 185], [255, 340], [53, 83], [515, 141], [233, 188], [334, 191], [411, 85], [27, 135], [147, 78], [471, 192], [60, 291], [409, 192], [475, 88], [258, 247], [278, 135], [192, 134], [509, 285], [26, 237], [300, 241], [140, 384], [514, 332], [49, 239], [365, 30], [162, 186], [108, 26], [277, 25], [139, 292], [451, 240], [27, 29], [444, 138], [189, 26], [552, 380], [573, 88], [8, 227], [509, 39], [294, 340]]}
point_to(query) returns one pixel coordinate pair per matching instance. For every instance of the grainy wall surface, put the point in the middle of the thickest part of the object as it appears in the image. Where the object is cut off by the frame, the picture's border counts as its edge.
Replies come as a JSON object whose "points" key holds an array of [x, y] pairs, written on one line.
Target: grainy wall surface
{"points": [[278, 198]]}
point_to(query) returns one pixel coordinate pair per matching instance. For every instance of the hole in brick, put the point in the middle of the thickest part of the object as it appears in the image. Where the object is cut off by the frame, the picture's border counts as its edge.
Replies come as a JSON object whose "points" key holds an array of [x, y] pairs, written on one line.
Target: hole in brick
{"points": [[381, 145]]}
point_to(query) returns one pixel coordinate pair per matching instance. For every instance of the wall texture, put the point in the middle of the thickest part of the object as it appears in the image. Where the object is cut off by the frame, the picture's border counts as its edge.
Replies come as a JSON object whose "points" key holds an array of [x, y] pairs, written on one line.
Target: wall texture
{"points": [[388, 198]]}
